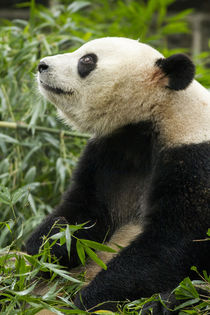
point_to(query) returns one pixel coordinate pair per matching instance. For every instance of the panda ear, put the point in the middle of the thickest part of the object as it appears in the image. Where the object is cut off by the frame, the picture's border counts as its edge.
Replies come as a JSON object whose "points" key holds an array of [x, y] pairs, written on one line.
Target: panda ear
{"points": [[179, 69]]}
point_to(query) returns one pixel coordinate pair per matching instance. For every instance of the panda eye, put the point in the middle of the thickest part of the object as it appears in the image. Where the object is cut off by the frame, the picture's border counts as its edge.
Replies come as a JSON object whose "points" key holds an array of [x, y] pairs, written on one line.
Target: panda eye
{"points": [[86, 64], [87, 59]]}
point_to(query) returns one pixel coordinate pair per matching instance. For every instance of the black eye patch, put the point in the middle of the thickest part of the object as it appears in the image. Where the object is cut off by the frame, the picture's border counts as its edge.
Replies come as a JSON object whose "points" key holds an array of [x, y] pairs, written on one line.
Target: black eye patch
{"points": [[86, 64]]}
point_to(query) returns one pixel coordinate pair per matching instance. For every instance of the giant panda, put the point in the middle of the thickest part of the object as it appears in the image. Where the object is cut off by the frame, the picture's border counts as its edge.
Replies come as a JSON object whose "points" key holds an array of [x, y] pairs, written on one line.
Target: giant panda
{"points": [[143, 178]]}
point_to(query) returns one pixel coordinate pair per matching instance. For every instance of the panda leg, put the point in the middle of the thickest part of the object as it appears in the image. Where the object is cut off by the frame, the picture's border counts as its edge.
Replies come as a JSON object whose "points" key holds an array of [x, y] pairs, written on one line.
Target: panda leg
{"points": [[158, 308], [120, 239], [50, 226], [145, 267]]}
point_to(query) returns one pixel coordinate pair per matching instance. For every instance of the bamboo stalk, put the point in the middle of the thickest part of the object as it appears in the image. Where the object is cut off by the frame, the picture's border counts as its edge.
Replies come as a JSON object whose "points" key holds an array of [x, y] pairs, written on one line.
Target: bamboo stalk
{"points": [[21, 125]]}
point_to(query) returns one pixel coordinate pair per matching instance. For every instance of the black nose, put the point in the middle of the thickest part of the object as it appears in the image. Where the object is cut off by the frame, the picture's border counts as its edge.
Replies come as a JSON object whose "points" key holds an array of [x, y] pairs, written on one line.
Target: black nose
{"points": [[42, 66]]}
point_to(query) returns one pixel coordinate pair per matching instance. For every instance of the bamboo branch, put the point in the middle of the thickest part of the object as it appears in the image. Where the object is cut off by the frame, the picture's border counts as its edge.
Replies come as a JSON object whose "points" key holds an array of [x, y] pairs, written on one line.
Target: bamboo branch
{"points": [[21, 125]]}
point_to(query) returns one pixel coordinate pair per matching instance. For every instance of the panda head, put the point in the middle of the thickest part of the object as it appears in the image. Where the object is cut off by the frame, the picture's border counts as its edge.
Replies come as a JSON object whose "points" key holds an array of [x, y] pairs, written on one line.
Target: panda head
{"points": [[111, 82]]}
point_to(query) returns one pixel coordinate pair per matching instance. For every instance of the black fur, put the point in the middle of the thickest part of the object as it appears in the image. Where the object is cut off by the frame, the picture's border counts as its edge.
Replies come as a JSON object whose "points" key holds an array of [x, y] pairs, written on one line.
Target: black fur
{"points": [[87, 64], [179, 69], [105, 175], [127, 177]]}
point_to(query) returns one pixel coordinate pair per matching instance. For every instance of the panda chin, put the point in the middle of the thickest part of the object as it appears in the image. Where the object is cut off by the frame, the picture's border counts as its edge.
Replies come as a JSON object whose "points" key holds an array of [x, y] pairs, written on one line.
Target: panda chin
{"points": [[55, 90]]}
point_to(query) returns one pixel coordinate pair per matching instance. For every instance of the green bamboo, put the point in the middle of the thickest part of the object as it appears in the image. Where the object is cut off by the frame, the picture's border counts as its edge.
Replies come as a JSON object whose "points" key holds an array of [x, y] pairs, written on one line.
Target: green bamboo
{"points": [[21, 125]]}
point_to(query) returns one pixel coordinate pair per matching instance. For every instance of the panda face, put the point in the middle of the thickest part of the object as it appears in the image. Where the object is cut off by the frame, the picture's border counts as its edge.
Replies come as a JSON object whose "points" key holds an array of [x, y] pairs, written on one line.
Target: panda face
{"points": [[101, 86], [111, 82]]}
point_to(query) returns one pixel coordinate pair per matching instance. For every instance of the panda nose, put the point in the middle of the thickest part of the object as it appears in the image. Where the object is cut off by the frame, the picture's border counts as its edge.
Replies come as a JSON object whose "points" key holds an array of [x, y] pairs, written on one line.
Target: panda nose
{"points": [[42, 67]]}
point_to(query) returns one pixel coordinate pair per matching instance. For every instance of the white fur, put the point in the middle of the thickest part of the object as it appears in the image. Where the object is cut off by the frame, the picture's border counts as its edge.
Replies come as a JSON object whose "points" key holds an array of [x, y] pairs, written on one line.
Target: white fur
{"points": [[126, 87]]}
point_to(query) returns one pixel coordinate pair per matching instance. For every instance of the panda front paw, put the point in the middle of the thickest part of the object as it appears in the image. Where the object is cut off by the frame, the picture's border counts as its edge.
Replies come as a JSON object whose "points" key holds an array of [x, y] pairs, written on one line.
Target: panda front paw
{"points": [[49, 227], [88, 301], [157, 308]]}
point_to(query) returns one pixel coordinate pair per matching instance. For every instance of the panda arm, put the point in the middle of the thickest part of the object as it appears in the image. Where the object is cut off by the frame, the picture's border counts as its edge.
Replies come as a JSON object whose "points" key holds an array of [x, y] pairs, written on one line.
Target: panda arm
{"points": [[81, 203]]}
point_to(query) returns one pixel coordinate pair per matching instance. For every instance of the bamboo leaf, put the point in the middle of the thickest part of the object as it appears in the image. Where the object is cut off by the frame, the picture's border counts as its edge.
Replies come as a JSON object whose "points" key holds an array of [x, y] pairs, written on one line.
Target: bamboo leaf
{"points": [[95, 258], [104, 312], [20, 193], [68, 240], [63, 273], [77, 5], [5, 196], [97, 246], [80, 251], [26, 291], [58, 235], [7, 138], [187, 303]]}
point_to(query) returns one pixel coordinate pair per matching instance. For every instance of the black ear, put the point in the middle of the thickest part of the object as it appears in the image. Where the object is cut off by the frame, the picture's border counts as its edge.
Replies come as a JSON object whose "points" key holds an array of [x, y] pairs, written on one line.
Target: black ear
{"points": [[179, 69]]}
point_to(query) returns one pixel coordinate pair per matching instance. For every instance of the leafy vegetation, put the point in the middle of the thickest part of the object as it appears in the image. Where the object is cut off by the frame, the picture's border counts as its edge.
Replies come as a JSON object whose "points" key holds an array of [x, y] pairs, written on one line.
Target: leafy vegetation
{"points": [[38, 154]]}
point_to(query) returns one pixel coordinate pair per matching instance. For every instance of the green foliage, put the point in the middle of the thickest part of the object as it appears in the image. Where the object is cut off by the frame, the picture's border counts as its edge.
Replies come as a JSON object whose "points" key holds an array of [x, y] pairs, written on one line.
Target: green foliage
{"points": [[195, 296], [193, 302], [135, 19], [21, 282], [37, 152], [202, 68]]}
